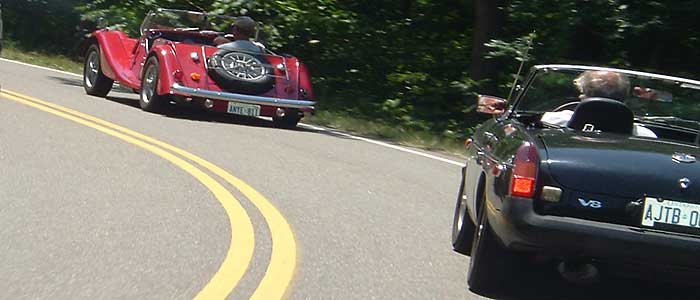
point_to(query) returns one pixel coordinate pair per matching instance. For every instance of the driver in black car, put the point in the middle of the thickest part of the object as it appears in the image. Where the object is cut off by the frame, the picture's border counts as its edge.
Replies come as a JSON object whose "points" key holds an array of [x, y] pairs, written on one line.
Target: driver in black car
{"points": [[606, 84], [243, 29]]}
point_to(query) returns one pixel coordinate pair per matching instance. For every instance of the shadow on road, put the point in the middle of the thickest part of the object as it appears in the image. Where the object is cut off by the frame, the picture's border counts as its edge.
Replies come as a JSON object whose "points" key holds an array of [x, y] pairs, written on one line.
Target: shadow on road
{"points": [[79, 83], [125, 101], [68, 81], [193, 113], [542, 282], [186, 112]]}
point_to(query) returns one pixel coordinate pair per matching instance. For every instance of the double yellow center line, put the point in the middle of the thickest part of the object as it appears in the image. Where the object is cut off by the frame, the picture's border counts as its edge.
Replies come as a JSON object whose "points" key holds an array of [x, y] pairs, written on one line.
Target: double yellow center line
{"points": [[240, 253]]}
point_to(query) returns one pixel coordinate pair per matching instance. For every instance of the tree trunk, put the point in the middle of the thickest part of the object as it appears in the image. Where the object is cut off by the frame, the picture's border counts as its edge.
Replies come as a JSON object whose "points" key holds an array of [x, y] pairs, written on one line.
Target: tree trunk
{"points": [[488, 21]]}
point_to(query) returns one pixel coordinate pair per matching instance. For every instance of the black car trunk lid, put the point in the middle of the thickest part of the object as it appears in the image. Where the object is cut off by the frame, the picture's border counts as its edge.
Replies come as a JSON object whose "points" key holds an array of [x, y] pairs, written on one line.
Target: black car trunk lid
{"points": [[606, 177]]}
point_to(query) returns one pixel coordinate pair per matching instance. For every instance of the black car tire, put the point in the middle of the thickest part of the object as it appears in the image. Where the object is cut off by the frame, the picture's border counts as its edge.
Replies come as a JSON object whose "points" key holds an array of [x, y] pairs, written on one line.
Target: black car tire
{"points": [[95, 82], [235, 84], [491, 265], [149, 99], [462, 226], [288, 121]]}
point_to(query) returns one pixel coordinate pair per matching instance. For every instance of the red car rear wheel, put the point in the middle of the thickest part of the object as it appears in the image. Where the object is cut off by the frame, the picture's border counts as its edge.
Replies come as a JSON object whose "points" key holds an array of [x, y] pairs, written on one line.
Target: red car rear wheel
{"points": [[150, 100]]}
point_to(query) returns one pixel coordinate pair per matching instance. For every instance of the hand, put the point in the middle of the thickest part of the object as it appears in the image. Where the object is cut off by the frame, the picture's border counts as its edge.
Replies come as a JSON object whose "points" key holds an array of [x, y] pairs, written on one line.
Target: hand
{"points": [[645, 93], [219, 40]]}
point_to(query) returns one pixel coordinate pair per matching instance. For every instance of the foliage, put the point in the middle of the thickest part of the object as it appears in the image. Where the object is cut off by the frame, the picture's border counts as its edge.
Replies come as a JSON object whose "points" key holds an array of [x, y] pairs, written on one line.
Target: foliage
{"points": [[42, 24], [652, 35], [405, 62], [128, 14]]}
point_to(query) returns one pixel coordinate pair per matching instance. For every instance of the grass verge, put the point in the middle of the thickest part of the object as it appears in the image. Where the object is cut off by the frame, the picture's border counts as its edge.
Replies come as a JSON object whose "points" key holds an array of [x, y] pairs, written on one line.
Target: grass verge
{"points": [[10, 51], [377, 129], [336, 120]]}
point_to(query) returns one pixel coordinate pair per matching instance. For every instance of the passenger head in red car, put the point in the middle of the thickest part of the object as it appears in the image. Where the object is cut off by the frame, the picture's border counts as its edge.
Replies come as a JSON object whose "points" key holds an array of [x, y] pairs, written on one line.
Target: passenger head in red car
{"points": [[606, 84]]}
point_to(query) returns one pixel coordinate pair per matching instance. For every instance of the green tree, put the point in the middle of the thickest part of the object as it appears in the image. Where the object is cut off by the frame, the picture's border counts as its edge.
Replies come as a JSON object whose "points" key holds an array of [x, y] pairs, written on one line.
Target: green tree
{"points": [[410, 63], [49, 26]]}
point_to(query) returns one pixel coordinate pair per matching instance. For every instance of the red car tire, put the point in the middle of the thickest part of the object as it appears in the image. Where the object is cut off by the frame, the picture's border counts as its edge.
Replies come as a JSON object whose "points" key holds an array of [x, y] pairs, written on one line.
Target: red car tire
{"points": [[149, 99], [95, 82]]}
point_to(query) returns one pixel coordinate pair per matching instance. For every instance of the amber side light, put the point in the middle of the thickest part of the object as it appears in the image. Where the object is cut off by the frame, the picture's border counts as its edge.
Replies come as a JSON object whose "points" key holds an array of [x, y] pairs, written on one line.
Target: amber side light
{"points": [[196, 76], [524, 178]]}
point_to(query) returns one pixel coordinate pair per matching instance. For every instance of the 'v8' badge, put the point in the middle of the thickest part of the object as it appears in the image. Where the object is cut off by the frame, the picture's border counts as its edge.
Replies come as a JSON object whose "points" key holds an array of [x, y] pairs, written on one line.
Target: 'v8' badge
{"points": [[590, 203]]}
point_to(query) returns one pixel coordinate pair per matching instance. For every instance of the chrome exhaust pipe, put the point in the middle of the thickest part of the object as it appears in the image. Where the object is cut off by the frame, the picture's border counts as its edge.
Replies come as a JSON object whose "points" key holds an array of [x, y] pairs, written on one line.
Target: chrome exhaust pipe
{"points": [[208, 104]]}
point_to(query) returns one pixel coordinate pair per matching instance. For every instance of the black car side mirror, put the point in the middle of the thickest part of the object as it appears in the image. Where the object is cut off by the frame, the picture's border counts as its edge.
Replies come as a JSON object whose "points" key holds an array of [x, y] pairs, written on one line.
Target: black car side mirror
{"points": [[491, 105], [652, 94]]}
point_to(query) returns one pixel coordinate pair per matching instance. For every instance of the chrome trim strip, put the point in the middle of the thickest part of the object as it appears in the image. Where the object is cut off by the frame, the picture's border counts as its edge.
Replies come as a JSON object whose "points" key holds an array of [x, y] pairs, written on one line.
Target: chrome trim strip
{"points": [[233, 97], [286, 70], [205, 60], [629, 72]]}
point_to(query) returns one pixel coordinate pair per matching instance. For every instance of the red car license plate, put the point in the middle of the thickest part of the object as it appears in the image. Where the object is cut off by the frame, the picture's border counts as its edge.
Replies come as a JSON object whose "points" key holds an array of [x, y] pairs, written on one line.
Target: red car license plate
{"points": [[243, 109]]}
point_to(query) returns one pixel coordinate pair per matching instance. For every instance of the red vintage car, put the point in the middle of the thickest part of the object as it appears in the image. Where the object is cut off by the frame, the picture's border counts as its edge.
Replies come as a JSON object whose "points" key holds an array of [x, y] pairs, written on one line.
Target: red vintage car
{"points": [[175, 60]]}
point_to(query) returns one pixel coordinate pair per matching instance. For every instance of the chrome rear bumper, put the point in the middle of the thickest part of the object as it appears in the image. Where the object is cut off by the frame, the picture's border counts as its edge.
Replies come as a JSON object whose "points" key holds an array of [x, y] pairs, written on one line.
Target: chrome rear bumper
{"points": [[250, 99]]}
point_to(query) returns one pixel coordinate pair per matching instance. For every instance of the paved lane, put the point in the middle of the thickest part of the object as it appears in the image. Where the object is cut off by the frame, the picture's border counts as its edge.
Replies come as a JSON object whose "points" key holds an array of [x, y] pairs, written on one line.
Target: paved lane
{"points": [[88, 216], [370, 222], [83, 215]]}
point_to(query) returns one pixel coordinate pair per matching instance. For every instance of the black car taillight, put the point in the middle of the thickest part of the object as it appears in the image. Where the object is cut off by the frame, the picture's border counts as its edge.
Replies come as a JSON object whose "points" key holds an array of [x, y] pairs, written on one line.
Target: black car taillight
{"points": [[522, 182]]}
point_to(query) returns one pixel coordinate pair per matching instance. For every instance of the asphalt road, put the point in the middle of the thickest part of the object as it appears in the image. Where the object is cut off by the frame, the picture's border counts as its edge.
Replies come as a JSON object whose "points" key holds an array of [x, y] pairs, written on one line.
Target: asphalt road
{"points": [[85, 214]]}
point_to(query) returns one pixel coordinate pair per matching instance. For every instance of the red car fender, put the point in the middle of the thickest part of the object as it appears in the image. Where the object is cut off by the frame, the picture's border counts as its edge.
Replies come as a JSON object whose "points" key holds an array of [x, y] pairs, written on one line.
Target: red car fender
{"points": [[305, 81], [192, 60], [115, 56], [169, 66]]}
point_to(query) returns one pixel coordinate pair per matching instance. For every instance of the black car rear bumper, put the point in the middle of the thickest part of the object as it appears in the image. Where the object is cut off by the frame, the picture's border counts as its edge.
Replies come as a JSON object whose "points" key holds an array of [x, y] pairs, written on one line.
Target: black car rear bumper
{"points": [[520, 228]]}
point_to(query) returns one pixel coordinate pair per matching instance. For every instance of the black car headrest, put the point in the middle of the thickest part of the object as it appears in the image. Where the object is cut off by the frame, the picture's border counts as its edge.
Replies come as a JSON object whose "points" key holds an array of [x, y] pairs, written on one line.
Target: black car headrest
{"points": [[602, 114]]}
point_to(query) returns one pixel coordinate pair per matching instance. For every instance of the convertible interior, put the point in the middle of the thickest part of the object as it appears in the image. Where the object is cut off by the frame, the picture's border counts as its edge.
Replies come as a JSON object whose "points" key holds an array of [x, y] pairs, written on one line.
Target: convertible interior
{"points": [[621, 124], [182, 36]]}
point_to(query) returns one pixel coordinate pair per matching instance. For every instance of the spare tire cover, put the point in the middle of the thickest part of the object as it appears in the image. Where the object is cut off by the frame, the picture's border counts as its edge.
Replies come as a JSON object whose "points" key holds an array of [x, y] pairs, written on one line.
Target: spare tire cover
{"points": [[241, 72]]}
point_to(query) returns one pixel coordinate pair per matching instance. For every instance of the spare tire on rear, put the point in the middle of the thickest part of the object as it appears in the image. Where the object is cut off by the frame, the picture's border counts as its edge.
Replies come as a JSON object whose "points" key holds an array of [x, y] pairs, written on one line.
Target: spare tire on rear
{"points": [[241, 72]]}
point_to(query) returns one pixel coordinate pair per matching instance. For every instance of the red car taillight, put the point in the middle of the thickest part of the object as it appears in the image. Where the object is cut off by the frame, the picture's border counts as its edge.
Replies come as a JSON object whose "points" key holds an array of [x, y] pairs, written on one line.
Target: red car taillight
{"points": [[522, 182]]}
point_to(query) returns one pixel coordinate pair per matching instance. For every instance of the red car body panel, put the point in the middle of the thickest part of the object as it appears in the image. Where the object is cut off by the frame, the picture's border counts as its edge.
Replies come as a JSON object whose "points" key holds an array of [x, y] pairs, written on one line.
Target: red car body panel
{"points": [[115, 55], [123, 58]]}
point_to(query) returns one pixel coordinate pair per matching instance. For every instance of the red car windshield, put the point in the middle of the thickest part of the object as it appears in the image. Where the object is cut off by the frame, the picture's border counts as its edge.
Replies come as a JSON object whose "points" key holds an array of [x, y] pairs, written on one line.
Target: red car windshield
{"points": [[185, 20]]}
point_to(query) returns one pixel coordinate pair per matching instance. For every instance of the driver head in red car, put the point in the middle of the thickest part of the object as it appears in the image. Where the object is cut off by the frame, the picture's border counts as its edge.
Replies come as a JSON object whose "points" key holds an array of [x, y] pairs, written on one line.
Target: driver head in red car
{"points": [[243, 29], [606, 84]]}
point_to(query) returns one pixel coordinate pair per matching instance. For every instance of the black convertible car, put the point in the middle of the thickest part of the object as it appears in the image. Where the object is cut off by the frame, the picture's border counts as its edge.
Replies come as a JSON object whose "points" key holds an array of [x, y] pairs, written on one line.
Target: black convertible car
{"points": [[606, 179]]}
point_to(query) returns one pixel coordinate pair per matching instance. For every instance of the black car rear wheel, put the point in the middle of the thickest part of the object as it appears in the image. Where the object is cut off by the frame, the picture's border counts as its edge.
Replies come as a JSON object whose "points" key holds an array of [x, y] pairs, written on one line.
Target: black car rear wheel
{"points": [[150, 100], [462, 227], [491, 265], [95, 82]]}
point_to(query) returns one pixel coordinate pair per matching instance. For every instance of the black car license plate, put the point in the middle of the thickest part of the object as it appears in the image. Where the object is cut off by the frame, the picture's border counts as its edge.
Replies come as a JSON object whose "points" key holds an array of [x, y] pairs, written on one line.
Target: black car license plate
{"points": [[658, 213]]}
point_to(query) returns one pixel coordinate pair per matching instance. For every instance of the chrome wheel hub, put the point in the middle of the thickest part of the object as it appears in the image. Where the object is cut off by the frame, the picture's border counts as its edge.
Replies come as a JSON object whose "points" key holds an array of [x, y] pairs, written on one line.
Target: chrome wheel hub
{"points": [[149, 84], [462, 212], [459, 218], [243, 66], [92, 66]]}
